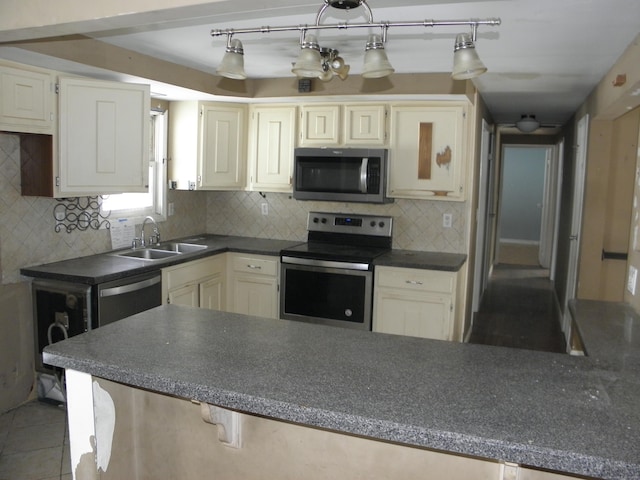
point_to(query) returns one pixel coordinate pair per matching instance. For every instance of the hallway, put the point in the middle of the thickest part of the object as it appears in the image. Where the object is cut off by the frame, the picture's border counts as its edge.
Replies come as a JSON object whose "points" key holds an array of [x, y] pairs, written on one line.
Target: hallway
{"points": [[518, 309]]}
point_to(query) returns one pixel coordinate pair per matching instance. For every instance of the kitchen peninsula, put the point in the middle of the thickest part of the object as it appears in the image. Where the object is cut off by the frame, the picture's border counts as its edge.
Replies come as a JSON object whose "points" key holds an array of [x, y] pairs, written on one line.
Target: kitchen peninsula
{"points": [[325, 402]]}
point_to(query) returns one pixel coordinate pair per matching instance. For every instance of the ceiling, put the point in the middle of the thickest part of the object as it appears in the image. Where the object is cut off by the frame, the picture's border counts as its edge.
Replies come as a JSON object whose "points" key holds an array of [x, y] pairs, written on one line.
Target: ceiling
{"points": [[544, 59]]}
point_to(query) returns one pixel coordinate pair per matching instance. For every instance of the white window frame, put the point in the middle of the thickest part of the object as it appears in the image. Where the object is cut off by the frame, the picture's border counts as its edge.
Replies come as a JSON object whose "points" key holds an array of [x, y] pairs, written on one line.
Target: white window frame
{"points": [[157, 178]]}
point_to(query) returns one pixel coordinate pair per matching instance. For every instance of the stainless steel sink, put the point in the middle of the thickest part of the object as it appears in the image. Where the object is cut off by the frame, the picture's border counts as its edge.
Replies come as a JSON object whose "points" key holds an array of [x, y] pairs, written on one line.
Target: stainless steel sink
{"points": [[147, 254], [179, 247], [161, 251]]}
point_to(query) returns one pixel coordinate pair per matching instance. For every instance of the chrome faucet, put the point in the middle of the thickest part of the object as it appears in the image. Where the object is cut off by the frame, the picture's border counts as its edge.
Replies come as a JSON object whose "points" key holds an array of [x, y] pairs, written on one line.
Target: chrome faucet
{"points": [[153, 239]]}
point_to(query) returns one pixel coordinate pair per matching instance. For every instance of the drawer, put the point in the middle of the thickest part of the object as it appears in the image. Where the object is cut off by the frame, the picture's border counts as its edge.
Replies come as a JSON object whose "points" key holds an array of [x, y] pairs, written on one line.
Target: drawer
{"points": [[416, 279], [193, 272], [255, 265]]}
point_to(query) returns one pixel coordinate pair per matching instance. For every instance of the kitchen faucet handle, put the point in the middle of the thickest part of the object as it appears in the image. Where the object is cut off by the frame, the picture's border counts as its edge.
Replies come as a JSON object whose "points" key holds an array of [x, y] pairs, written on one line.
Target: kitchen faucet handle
{"points": [[155, 238], [136, 241]]}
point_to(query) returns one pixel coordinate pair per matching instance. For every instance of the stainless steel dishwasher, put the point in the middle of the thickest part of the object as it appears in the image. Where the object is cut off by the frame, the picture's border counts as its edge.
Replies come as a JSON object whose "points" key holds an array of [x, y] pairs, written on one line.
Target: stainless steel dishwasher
{"points": [[63, 309], [125, 297]]}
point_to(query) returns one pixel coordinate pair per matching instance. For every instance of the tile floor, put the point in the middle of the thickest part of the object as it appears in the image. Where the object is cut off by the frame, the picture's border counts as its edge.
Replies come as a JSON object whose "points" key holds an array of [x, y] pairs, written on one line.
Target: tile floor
{"points": [[34, 443]]}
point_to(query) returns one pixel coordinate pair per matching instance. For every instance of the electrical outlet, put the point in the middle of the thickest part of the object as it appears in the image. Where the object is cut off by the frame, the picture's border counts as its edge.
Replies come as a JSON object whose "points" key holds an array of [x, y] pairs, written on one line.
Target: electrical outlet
{"points": [[264, 207], [631, 281], [447, 220]]}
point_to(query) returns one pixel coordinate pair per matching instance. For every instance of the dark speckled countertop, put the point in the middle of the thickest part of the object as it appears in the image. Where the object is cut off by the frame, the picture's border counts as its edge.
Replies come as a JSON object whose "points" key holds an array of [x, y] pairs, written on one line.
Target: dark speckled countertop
{"points": [[610, 333], [100, 268], [105, 267], [552, 411], [424, 260]]}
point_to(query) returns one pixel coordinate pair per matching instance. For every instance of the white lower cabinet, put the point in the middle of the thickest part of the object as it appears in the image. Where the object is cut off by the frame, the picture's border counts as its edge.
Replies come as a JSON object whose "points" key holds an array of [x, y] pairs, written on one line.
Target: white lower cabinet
{"points": [[253, 284], [414, 302], [200, 283]]}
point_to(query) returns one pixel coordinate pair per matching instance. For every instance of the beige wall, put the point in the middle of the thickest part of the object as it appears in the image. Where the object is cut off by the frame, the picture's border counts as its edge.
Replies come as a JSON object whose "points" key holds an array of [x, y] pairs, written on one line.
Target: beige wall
{"points": [[608, 202], [162, 437], [16, 345], [611, 168]]}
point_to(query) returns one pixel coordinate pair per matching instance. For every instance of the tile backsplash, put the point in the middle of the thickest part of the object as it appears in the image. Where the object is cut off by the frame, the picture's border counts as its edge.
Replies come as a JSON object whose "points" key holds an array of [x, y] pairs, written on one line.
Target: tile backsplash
{"points": [[417, 223], [28, 236]]}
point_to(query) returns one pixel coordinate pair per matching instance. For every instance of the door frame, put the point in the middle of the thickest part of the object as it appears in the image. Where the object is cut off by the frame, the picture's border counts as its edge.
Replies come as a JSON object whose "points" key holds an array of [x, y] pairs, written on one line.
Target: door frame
{"points": [[558, 202], [582, 138], [481, 267], [550, 208]]}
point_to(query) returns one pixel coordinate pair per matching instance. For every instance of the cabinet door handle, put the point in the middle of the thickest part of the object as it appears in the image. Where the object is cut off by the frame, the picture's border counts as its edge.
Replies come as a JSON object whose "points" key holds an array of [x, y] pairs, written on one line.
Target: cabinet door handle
{"points": [[254, 267], [413, 282]]}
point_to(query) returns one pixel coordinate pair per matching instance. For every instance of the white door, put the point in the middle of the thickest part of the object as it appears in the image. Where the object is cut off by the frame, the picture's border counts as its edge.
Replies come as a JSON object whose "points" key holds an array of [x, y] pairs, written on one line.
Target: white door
{"points": [[549, 212], [576, 219], [480, 269]]}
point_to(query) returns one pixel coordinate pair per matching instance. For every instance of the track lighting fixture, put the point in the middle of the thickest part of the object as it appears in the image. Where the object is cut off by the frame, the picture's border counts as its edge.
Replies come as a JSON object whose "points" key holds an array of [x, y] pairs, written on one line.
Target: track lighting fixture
{"points": [[232, 65], [376, 64], [309, 63], [466, 63], [323, 63]]}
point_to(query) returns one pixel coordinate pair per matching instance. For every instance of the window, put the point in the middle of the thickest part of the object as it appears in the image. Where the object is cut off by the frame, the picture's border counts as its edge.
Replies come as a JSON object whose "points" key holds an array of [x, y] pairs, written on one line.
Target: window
{"points": [[136, 206]]}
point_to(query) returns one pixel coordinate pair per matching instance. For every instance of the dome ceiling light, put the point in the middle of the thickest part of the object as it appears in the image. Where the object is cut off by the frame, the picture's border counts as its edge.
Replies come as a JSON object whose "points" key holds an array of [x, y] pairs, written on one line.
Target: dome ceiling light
{"points": [[527, 124], [323, 63]]}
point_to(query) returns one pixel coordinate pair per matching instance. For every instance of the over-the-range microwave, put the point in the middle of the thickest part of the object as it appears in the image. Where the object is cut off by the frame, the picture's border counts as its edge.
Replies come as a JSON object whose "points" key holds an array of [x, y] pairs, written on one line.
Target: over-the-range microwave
{"points": [[340, 174]]}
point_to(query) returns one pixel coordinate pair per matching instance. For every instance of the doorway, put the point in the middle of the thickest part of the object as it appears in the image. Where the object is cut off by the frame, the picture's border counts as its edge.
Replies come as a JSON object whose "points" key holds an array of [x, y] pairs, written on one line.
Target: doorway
{"points": [[527, 206], [518, 307]]}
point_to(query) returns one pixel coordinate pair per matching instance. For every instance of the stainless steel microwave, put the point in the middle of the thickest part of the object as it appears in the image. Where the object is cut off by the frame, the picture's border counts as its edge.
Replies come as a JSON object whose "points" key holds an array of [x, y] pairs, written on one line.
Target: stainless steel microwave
{"points": [[340, 174]]}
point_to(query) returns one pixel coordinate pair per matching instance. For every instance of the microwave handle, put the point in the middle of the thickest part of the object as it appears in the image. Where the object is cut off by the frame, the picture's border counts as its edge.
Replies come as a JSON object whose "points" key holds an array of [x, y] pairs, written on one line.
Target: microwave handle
{"points": [[363, 175]]}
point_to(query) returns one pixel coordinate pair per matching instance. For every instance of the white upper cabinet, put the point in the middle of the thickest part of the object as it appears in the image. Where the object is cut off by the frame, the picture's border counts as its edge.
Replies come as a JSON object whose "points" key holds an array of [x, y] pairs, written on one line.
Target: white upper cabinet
{"points": [[103, 137], [207, 145], [428, 151], [271, 144], [223, 146], [320, 125], [26, 101], [326, 125], [365, 125]]}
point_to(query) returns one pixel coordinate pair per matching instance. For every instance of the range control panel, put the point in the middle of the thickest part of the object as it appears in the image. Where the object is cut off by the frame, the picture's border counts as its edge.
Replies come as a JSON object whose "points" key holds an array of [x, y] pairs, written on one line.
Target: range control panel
{"points": [[354, 224]]}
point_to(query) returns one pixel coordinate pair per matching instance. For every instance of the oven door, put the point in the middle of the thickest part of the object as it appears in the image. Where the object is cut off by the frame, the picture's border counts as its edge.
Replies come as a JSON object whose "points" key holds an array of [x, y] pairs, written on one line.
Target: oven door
{"points": [[326, 295]]}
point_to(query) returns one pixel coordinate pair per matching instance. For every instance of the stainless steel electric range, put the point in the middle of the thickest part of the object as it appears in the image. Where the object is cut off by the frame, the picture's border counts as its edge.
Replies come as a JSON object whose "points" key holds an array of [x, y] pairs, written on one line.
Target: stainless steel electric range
{"points": [[329, 279]]}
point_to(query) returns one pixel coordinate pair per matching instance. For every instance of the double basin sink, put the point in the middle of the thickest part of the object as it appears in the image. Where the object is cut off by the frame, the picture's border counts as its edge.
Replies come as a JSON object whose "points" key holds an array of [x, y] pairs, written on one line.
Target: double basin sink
{"points": [[160, 251]]}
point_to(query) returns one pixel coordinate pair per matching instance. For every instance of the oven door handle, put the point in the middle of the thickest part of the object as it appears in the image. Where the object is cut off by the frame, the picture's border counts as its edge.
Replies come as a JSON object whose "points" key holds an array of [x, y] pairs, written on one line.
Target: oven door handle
{"points": [[364, 167], [311, 262]]}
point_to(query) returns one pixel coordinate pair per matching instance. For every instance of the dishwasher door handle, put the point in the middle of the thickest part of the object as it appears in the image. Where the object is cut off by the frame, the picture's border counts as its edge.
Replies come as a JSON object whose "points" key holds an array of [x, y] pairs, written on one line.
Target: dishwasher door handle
{"points": [[130, 287]]}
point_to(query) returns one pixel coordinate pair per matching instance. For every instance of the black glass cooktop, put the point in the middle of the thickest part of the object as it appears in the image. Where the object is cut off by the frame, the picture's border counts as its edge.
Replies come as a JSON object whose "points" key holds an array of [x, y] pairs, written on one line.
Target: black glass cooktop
{"points": [[335, 252]]}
